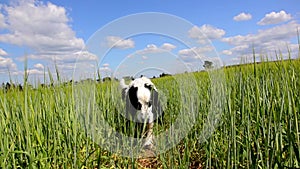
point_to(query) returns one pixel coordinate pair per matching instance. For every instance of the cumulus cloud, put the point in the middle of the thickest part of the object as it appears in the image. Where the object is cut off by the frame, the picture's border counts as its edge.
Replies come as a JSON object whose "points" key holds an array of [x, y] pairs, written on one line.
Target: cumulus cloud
{"points": [[2, 21], [62, 57], [105, 65], [204, 32], [275, 18], [34, 72], [39, 66], [105, 70], [227, 52], [152, 48], [194, 57], [144, 57], [236, 49], [42, 27], [264, 41], [281, 32], [82, 56], [168, 46], [193, 53], [242, 17], [7, 64], [3, 52], [118, 42]]}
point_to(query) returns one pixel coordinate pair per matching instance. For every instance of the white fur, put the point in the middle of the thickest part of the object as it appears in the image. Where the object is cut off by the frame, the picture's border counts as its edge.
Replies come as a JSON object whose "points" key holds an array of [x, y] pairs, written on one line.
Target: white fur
{"points": [[144, 97]]}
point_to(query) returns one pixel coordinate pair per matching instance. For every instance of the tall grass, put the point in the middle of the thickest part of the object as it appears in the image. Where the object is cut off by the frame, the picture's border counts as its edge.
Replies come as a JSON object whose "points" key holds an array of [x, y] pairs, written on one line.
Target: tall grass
{"points": [[258, 127]]}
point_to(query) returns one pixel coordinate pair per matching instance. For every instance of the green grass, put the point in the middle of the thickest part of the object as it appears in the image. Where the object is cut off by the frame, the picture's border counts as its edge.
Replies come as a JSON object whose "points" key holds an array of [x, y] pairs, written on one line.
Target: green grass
{"points": [[258, 125]]}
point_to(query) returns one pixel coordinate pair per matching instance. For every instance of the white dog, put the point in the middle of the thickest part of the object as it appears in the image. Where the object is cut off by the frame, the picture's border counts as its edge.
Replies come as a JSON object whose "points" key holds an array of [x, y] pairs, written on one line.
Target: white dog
{"points": [[142, 104]]}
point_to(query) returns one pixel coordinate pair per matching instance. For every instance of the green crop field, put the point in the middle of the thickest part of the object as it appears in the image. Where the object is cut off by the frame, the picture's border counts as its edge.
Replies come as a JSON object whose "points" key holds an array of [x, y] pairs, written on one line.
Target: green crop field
{"points": [[257, 125]]}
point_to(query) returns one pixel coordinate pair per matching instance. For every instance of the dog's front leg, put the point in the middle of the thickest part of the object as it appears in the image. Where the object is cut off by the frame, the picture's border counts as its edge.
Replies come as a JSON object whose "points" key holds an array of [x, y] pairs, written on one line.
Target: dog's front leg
{"points": [[149, 136]]}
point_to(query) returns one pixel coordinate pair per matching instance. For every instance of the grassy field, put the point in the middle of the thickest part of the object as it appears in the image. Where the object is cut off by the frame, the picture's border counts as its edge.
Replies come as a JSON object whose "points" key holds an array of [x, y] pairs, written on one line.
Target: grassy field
{"points": [[258, 126]]}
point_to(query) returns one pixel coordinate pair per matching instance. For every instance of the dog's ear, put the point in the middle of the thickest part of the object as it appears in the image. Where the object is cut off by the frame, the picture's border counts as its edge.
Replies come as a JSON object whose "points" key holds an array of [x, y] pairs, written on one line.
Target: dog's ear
{"points": [[157, 108], [132, 92]]}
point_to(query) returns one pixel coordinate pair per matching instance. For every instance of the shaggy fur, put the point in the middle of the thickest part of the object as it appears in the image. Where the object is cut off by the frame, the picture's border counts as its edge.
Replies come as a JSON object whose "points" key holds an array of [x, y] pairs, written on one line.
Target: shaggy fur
{"points": [[142, 104]]}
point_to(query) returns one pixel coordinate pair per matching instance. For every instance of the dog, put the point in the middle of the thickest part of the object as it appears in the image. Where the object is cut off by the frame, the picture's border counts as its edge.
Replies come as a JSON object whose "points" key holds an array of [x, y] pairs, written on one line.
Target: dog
{"points": [[142, 105]]}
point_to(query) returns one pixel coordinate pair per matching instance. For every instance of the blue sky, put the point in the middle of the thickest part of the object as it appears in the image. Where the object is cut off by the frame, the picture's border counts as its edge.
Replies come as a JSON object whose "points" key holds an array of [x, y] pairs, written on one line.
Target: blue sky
{"points": [[66, 34]]}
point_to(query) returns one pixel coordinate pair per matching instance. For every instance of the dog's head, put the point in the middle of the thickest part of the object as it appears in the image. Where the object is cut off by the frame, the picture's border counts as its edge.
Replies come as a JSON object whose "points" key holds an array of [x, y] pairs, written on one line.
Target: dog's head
{"points": [[142, 96]]}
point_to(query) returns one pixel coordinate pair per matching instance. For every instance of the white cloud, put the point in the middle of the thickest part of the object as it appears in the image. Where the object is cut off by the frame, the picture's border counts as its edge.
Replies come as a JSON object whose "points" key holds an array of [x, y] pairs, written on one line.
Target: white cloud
{"points": [[43, 27], [238, 48], [105, 70], [242, 17], [191, 54], [2, 21], [82, 56], [118, 42], [281, 32], [204, 32], [168, 46], [144, 57], [7, 64], [39, 66], [35, 72], [152, 48], [227, 52], [3, 52], [194, 57], [264, 41], [31, 72], [275, 18], [105, 65], [61, 57]]}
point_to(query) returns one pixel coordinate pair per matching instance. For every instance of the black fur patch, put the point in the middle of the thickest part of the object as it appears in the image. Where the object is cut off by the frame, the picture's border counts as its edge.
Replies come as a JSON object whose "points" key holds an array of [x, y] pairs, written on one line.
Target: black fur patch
{"points": [[150, 87], [132, 92], [132, 103]]}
